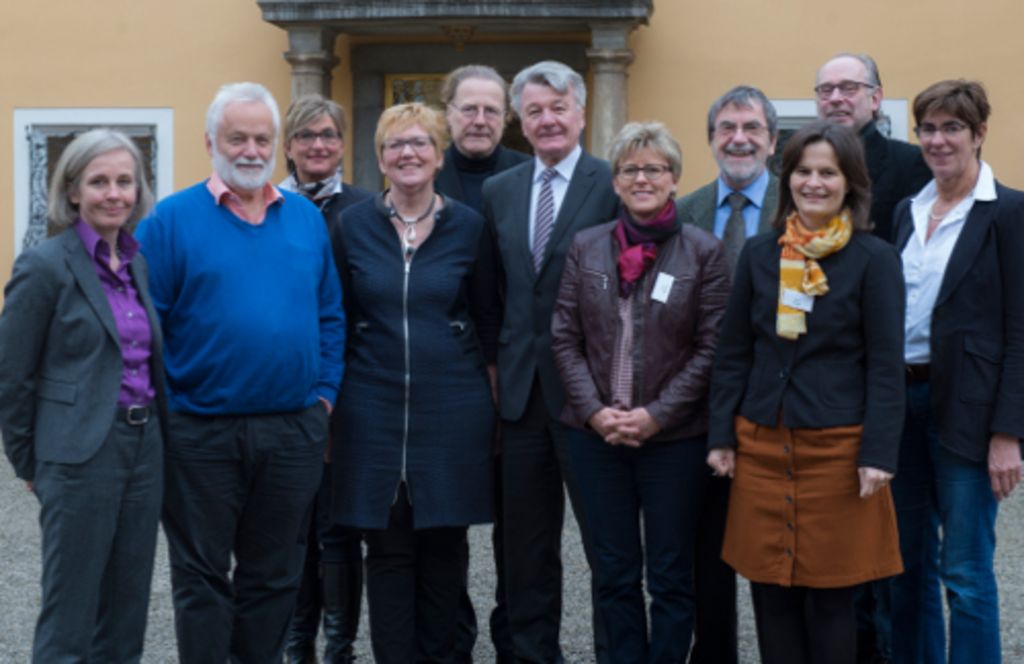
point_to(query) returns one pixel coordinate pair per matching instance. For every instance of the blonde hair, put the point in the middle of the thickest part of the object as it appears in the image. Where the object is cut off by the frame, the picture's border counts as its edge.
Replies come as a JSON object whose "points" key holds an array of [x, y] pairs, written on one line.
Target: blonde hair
{"points": [[402, 116]]}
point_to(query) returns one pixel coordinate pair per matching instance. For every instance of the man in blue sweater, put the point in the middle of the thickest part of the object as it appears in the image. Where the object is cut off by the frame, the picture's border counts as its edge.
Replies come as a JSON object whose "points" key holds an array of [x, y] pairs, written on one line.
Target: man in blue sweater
{"points": [[244, 281]]}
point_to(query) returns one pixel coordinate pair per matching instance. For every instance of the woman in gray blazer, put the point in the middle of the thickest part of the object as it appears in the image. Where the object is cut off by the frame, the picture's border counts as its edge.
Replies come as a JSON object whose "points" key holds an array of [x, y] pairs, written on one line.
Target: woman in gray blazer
{"points": [[80, 388]]}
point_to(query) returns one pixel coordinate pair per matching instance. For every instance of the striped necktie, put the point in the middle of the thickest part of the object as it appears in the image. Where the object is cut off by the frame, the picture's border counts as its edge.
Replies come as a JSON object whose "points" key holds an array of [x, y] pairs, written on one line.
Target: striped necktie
{"points": [[544, 219]]}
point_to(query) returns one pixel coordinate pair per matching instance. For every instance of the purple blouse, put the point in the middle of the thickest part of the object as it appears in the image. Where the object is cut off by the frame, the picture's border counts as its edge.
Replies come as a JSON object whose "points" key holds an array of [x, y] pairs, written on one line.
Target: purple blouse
{"points": [[133, 329]]}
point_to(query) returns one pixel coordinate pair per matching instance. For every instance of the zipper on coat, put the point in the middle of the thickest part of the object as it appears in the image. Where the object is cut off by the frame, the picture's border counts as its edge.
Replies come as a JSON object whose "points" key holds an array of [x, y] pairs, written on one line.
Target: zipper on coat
{"points": [[408, 377]]}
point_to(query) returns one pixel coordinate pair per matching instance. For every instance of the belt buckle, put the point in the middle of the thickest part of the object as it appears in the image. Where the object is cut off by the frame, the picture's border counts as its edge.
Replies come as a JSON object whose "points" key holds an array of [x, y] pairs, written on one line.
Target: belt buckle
{"points": [[136, 415]]}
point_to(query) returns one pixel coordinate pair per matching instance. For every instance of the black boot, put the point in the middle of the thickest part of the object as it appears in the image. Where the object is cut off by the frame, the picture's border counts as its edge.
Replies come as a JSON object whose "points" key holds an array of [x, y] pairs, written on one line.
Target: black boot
{"points": [[343, 595], [300, 643]]}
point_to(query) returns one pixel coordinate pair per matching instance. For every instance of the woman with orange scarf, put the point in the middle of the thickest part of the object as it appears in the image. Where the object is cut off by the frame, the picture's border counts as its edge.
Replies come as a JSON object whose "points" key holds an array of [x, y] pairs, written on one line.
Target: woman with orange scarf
{"points": [[807, 404]]}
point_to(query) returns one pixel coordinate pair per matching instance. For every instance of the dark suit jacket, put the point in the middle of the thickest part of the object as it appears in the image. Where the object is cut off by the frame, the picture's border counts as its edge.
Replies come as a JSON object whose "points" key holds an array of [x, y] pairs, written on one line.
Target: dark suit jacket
{"points": [[698, 207], [524, 345], [349, 195], [897, 170], [977, 330], [447, 180], [848, 368], [60, 356]]}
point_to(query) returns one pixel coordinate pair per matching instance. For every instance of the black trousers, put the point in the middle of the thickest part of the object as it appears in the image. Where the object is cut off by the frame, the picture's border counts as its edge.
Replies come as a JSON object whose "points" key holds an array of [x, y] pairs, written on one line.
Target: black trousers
{"points": [[714, 633], [99, 523], [241, 486], [805, 625], [534, 465], [413, 583]]}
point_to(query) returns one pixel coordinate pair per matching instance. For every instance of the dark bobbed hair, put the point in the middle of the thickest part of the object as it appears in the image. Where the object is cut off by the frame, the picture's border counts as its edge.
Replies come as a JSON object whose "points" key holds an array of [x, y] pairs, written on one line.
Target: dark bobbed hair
{"points": [[850, 156], [964, 100]]}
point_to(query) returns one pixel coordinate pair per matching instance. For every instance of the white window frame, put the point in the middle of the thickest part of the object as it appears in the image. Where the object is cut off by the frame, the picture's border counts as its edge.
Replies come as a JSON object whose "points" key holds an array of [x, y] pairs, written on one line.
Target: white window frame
{"points": [[161, 119], [795, 113]]}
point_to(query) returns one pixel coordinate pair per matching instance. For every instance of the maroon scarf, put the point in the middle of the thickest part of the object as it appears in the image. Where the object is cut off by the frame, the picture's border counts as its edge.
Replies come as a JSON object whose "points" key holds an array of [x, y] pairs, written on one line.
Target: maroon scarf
{"points": [[638, 244]]}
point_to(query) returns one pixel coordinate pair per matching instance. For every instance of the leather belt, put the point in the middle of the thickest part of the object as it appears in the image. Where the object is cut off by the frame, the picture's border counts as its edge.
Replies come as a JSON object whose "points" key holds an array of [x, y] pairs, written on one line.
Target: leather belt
{"points": [[136, 416], [918, 373]]}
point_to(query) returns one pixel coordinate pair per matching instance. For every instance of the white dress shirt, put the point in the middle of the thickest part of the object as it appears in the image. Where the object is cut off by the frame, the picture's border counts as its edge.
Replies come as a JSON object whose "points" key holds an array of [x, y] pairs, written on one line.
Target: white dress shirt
{"points": [[559, 184], [924, 263]]}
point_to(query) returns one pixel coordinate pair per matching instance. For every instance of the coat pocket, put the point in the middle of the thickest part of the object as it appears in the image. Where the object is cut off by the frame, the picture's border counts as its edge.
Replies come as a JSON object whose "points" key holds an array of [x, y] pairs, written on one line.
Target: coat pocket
{"points": [[57, 390], [979, 370]]}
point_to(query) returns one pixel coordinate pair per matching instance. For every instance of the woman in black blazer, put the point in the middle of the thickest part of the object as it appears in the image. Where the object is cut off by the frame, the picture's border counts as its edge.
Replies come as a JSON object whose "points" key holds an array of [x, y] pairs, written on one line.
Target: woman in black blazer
{"points": [[807, 404], [962, 243], [81, 384]]}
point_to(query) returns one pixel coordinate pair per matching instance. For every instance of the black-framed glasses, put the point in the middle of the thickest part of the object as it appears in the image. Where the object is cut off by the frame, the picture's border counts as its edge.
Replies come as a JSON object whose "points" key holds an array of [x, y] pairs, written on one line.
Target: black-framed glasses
{"points": [[846, 88], [307, 137], [650, 171], [948, 129], [726, 128]]}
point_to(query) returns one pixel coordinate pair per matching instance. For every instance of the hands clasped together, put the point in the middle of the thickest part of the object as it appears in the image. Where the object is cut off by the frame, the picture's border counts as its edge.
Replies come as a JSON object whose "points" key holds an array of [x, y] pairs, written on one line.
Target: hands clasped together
{"points": [[624, 427]]}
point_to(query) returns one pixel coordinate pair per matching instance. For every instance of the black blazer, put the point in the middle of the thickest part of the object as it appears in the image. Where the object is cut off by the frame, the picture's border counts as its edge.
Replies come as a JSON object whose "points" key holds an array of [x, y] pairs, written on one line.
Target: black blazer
{"points": [[447, 180], [60, 356], [897, 170], [524, 345], [846, 370], [977, 330]]}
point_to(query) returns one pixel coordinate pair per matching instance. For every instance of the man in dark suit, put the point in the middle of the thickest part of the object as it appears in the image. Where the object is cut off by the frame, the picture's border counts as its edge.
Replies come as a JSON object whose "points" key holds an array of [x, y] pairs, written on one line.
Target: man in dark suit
{"points": [[476, 107], [740, 203], [849, 92], [536, 208]]}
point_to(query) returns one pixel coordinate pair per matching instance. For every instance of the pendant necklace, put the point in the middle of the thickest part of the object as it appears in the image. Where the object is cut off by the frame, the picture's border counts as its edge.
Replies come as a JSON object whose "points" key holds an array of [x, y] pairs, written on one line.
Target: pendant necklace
{"points": [[409, 234]]}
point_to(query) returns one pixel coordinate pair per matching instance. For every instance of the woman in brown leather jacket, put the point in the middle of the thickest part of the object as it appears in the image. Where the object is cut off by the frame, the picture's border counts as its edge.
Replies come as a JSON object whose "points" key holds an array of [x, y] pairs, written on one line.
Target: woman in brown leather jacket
{"points": [[635, 328]]}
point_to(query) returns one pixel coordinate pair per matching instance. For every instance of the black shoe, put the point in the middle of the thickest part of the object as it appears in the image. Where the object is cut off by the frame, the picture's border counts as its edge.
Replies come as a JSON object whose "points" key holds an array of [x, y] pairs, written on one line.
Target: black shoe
{"points": [[342, 597]]}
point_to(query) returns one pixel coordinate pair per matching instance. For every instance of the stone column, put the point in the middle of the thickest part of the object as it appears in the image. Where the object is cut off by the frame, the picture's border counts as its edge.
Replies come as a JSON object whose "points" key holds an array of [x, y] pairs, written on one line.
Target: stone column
{"points": [[609, 57], [311, 55]]}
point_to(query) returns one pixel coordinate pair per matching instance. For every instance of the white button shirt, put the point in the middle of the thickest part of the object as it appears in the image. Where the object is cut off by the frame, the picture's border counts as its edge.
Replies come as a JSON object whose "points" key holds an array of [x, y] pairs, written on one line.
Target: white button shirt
{"points": [[924, 263]]}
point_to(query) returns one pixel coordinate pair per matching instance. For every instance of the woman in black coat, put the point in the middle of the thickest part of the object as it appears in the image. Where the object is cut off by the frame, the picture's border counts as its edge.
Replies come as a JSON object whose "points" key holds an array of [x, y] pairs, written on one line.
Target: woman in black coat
{"points": [[807, 404], [412, 454]]}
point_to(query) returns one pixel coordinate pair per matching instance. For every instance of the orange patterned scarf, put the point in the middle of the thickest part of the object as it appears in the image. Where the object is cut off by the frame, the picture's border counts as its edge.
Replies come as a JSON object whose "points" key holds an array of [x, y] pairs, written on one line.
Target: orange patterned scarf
{"points": [[799, 270]]}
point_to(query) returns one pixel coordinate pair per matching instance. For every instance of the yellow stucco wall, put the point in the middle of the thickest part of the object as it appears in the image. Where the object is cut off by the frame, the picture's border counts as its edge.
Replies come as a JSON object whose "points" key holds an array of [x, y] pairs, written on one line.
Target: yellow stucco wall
{"points": [[131, 53]]}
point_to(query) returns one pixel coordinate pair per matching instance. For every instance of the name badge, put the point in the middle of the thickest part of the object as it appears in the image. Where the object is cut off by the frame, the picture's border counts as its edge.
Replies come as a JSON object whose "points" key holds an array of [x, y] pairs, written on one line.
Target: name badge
{"points": [[797, 300], [662, 287]]}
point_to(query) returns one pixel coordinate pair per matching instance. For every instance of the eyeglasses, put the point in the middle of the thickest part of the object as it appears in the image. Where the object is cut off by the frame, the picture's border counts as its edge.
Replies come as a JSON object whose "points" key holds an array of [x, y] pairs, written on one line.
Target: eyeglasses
{"points": [[650, 171], [726, 129], [471, 111], [417, 143], [307, 137], [846, 88], [948, 129]]}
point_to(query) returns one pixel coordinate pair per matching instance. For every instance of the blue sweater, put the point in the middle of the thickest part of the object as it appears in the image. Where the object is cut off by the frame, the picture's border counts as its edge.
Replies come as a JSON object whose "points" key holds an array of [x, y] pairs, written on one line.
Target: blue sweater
{"points": [[251, 315]]}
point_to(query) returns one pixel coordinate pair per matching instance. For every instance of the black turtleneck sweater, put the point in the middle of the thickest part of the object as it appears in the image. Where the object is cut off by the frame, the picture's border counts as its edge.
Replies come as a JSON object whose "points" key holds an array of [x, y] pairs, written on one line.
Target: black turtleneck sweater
{"points": [[472, 173]]}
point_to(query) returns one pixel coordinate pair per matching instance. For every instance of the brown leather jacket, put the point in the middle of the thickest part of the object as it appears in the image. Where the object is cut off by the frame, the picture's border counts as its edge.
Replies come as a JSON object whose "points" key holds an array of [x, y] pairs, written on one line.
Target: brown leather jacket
{"points": [[673, 342]]}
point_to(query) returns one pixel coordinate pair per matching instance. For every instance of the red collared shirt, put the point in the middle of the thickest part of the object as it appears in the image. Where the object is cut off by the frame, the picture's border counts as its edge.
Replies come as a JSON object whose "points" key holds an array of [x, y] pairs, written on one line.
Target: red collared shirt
{"points": [[223, 194]]}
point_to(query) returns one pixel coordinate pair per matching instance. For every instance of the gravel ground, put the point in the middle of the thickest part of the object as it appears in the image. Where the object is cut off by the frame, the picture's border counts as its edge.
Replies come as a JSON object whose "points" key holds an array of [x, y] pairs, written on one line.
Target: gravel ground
{"points": [[19, 587]]}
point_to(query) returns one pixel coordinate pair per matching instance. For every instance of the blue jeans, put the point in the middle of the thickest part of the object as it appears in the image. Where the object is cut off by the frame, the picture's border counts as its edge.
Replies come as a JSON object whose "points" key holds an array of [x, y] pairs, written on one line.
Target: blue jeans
{"points": [[936, 488], [663, 482]]}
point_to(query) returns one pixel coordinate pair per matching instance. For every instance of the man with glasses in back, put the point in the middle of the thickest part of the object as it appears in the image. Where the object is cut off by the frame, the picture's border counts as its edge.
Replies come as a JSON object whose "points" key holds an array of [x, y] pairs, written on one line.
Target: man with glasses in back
{"points": [[476, 107], [738, 204], [849, 92]]}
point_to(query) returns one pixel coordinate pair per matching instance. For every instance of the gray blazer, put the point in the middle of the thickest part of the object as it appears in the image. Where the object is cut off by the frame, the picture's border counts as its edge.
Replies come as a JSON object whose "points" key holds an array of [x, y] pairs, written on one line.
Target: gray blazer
{"points": [[60, 356], [698, 207], [524, 345]]}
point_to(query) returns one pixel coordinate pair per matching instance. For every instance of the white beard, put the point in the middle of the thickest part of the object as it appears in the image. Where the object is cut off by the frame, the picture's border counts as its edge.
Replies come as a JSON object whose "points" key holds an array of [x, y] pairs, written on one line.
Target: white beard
{"points": [[238, 179]]}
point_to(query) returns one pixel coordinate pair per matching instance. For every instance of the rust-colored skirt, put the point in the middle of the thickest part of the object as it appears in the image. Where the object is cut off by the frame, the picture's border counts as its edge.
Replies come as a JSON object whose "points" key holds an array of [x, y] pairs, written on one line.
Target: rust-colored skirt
{"points": [[795, 514]]}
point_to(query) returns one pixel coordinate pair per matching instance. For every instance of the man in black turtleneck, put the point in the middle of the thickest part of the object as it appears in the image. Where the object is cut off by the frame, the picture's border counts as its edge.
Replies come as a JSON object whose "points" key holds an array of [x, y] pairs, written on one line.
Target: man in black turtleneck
{"points": [[476, 102], [849, 92]]}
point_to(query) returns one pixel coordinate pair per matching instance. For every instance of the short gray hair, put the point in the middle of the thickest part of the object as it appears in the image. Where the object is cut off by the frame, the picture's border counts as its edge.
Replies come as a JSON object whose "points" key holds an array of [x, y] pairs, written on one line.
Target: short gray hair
{"points": [[67, 177], [230, 93], [639, 135], [744, 96], [456, 76], [555, 75], [863, 58], [308, 109]]}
